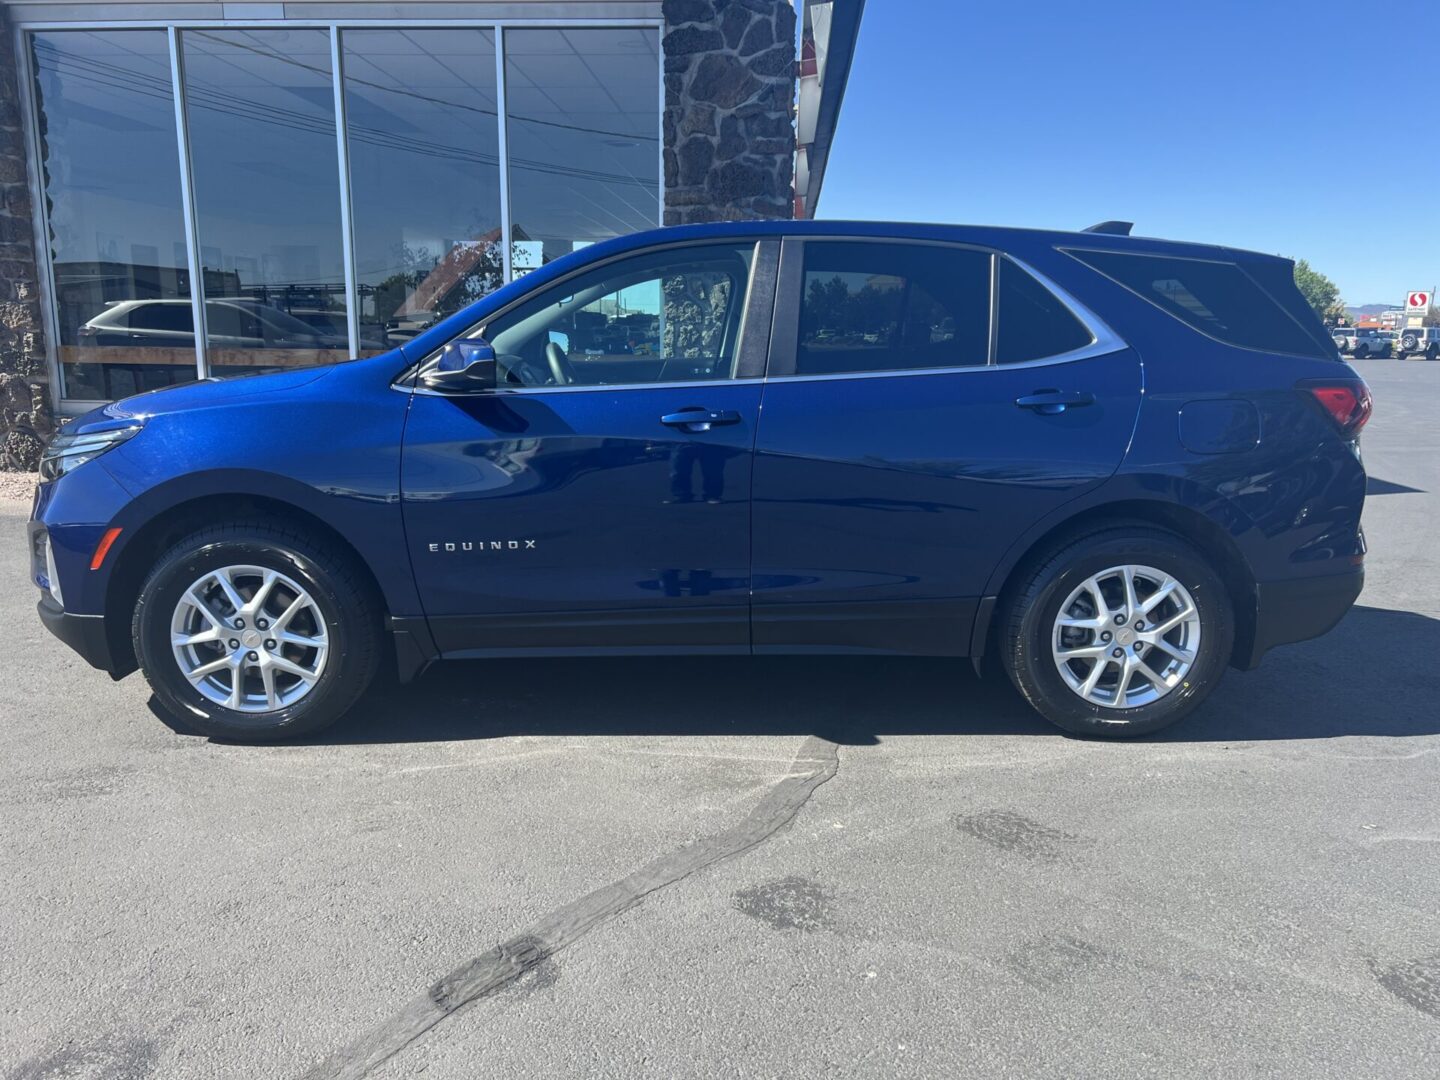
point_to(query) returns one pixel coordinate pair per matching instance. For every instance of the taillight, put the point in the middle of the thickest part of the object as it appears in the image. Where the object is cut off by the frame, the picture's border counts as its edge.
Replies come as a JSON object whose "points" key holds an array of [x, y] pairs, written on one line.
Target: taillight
{"points": [[1347, 403]]}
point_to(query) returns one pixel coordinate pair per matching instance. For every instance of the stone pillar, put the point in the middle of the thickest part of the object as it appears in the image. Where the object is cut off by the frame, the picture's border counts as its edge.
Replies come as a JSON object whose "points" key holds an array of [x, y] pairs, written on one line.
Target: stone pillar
{"points": [[729, 110], [25, 415]]}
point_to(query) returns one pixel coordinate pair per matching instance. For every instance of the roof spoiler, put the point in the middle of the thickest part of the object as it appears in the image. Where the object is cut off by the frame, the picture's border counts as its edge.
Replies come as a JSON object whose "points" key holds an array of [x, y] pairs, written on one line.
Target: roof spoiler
{"points": [[1112, 228]]}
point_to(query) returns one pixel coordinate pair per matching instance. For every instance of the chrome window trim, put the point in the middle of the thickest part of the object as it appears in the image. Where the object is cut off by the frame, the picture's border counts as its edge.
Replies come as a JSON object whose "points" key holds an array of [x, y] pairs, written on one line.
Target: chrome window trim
{"points": [[1105, 340], [587, 389], [993, 348], [1087, 353]]}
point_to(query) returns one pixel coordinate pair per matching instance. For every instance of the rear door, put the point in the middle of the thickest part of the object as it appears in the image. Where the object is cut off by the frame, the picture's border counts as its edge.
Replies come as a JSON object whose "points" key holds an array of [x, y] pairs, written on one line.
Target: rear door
{"points": [[925, 404]]}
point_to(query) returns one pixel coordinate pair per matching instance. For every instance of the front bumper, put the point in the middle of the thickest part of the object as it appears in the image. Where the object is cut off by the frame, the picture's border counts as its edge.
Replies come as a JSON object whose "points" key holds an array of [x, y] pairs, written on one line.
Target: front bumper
{"points": [[1288, 611], [83, 633]]}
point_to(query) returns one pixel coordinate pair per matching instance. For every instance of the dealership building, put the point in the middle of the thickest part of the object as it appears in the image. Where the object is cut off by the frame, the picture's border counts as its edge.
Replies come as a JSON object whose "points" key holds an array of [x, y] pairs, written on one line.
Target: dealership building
{"points": [[196, 189]]}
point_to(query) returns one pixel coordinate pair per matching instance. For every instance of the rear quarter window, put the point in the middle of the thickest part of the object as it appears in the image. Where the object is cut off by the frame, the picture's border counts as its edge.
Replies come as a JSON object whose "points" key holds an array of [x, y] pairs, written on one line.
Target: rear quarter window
{"points": [[1033, 323], [1220, 299]]}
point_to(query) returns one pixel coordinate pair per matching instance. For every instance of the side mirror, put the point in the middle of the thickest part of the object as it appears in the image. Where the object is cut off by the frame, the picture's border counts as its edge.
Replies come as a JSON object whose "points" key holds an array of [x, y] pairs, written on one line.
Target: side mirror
{"points": [[465, 367]]}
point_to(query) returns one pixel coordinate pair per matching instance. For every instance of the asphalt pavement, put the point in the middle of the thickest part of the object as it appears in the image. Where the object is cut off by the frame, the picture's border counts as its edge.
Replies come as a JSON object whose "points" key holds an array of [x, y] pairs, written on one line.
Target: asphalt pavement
{"points": [[730, 867]]}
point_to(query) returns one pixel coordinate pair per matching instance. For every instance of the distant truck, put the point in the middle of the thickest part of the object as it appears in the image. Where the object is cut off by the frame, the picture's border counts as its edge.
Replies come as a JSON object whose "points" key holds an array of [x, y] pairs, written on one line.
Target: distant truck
{"points": [[1422, 341], [1370, 342]]}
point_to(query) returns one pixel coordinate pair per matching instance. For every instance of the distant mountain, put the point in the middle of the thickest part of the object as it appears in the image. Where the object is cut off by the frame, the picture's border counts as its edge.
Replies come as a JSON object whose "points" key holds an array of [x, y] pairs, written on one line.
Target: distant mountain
{"points": [[1368, 309]]}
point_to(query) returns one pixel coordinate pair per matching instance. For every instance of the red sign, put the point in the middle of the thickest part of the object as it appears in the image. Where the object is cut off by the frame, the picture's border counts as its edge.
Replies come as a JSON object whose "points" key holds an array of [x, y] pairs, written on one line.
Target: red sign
{"points": [[1417, 301]]}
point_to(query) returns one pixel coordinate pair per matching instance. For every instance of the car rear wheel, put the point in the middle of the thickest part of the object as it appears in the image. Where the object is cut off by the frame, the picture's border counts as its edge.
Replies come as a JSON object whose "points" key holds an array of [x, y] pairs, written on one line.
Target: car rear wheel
{"points": [[254, 631], [1118, 633]]}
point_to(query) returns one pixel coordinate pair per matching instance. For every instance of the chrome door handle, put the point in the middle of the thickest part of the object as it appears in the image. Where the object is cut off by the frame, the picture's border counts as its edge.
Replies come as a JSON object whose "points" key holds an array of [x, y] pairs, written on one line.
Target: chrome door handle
{"points": [[1051, 402], [697, 420]]}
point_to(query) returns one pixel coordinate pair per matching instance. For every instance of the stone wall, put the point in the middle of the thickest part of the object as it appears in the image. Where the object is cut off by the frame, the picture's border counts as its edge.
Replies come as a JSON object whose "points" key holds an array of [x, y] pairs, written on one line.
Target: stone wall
{"points": [[729, 110], [25, 415]]}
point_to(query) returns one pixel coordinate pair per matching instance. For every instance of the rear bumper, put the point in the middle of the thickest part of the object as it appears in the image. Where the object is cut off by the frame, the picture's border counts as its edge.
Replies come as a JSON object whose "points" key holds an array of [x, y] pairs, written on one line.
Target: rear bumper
{"points": [[83, 633], [1287, 611]]}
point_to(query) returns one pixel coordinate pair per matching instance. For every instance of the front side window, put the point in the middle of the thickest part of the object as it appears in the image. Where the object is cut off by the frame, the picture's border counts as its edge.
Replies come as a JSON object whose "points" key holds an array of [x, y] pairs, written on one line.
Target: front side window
{"points": [[665, 316], [892, 307]]}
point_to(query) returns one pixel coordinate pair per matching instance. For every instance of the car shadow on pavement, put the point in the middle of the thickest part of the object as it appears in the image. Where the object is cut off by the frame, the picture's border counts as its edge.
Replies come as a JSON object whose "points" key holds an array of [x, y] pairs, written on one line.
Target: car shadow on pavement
{"points": [[1374, 674], [1375, 486]]}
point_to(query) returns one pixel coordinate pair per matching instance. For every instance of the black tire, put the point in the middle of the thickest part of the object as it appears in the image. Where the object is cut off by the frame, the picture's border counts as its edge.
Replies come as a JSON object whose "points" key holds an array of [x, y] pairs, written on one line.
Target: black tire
{"points": [[1028, 622], [341, 593], [1433, 352], [1361, 351]]}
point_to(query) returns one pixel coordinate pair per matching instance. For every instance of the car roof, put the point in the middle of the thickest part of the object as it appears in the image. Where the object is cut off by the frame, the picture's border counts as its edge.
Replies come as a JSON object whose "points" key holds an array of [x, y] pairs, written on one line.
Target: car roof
{"points": [[998, 236]]}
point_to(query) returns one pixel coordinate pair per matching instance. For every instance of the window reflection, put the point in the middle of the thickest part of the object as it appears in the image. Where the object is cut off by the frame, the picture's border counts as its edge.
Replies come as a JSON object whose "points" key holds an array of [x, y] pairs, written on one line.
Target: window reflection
{"points": [[425, 175], [583, 138], [117, 233], [267, 197], [667, 316]]}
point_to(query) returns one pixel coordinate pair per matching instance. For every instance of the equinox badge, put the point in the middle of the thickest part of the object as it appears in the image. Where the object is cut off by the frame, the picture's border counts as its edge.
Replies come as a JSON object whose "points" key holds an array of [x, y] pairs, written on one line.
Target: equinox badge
{"points": [[483, 545]]}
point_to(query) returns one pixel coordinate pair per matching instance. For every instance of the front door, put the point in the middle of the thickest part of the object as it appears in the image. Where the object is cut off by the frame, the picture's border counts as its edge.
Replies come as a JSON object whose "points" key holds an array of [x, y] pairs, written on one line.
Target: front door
{"points": [[928, 403], [598, 499]]}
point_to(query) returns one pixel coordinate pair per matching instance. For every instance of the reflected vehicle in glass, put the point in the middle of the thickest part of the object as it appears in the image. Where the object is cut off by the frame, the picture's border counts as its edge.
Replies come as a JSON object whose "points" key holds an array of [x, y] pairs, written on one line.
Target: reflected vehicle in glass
{"points": [[236, 324], [1108, 466]]}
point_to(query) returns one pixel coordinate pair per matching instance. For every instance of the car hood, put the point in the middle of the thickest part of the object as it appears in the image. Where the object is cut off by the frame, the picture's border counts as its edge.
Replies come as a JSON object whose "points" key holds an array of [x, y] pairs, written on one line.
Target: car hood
{"points": [[204, 394]]}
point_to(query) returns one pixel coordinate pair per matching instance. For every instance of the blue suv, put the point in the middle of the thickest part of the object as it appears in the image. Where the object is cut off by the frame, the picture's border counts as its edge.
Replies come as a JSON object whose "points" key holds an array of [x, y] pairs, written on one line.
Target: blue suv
{"points": [[1111, 466]]}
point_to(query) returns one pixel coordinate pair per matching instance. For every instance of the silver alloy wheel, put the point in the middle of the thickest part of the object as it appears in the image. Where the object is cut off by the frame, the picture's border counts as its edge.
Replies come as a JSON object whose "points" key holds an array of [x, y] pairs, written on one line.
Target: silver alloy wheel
{"points": [[1126, 637], [249, 638]]}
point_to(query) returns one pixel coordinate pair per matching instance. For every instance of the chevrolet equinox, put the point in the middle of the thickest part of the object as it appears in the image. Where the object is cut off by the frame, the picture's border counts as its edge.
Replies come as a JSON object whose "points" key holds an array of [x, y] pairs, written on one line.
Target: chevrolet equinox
{"points": [[1110, 466]]}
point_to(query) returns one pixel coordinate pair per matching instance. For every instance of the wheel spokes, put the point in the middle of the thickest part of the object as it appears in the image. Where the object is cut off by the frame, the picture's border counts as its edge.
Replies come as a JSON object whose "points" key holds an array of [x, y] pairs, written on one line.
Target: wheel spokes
{"points": [[234, 653], [1105, 649]]}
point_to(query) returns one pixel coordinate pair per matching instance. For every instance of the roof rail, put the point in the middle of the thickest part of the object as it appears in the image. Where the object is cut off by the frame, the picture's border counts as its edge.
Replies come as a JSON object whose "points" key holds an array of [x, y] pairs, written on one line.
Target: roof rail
{"points": [[1112, 228]]}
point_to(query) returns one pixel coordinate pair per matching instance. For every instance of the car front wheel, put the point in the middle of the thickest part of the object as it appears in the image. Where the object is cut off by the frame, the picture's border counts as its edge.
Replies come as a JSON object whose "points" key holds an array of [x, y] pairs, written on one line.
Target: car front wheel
{"points": [[254, 631], [1118, 633]]}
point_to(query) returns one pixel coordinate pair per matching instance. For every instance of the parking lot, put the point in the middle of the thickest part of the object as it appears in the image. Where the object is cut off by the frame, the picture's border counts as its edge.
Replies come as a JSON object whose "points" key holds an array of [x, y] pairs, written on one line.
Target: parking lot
{"points": [[779, 867]]}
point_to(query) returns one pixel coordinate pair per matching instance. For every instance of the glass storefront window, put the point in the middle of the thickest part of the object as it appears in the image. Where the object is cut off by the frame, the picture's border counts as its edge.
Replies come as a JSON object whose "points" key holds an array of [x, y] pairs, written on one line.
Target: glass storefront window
{"points": [[117, 231], [420, 108], [583, 132], [267, 197]]}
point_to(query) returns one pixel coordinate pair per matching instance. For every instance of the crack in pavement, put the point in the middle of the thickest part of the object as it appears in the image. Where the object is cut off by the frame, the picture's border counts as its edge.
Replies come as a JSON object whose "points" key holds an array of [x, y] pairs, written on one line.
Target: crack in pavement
{"points": [[816, 762]]}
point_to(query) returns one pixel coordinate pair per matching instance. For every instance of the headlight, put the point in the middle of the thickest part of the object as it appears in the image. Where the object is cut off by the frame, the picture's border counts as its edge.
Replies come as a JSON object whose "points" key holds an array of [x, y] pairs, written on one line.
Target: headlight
{"points": [[67, 452]]}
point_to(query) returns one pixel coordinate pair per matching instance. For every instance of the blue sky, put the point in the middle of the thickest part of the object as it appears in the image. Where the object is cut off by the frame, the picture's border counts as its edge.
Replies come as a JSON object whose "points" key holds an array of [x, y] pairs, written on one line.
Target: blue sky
{"points": [[1268, 125]]}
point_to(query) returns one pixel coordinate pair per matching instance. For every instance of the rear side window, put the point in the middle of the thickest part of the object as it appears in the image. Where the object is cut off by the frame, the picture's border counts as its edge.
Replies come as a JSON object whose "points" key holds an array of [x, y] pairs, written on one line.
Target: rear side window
{"points": [[1216, 298], [1033, 323], [892, 307]]}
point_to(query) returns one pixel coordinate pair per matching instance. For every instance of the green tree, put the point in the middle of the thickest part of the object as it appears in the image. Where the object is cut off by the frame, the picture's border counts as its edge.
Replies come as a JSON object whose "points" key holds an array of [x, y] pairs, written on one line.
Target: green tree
{"points": [[1319, 291]]}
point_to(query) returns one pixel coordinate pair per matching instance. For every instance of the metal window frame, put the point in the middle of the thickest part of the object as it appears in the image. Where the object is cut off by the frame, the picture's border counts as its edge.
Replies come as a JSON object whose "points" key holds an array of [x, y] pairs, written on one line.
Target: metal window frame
{"points": [[175, 29], [347, 206], [187, 202]]}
